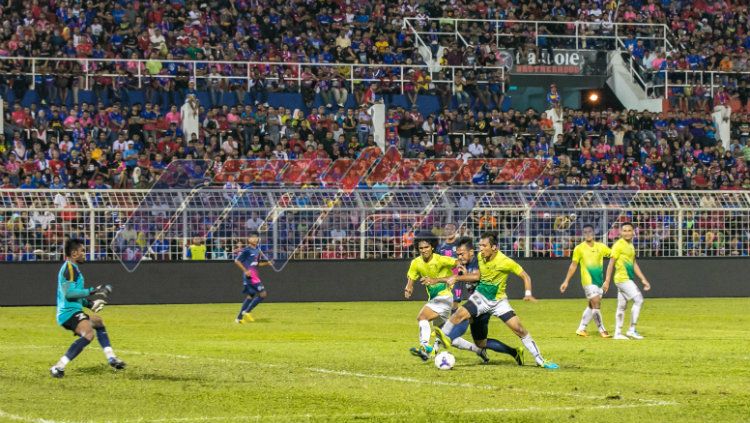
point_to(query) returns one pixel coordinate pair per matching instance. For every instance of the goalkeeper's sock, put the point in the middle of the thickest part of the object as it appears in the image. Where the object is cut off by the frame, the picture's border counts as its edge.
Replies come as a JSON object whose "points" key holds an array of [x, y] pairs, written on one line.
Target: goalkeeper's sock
{"points": [[245, 304], [500, 347], [75, 348], [103, 338], [256, 300]]}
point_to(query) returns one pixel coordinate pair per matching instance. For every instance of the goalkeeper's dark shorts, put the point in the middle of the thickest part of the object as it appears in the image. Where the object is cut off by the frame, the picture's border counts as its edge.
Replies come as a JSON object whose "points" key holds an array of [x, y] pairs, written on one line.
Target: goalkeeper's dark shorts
{"points": [[72, 323]]}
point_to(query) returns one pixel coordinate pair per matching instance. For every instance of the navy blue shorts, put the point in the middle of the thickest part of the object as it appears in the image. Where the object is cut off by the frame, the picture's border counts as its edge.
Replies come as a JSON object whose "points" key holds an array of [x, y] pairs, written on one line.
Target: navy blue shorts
{"points": [[72, 323], [480, 326], [249, 289]]}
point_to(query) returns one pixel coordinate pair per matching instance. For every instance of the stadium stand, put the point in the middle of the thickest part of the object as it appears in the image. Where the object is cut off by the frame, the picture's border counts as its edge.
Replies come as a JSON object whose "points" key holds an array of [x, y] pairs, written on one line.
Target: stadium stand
{"points": [[89, 123]]}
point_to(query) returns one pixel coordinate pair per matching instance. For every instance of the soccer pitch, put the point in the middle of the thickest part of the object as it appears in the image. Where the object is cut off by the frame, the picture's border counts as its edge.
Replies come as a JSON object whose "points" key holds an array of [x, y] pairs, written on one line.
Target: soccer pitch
{"points": [[326, 362]]}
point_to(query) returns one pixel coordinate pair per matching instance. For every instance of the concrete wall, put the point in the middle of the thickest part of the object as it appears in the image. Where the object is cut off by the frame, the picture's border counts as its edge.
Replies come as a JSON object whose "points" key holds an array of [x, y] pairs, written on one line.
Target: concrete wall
{"points": [[216, 282]]}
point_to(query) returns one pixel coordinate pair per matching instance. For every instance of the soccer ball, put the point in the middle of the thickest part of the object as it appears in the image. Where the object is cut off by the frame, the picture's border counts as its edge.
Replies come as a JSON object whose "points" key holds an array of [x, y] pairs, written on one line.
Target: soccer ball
{"points": [[445, 360]]}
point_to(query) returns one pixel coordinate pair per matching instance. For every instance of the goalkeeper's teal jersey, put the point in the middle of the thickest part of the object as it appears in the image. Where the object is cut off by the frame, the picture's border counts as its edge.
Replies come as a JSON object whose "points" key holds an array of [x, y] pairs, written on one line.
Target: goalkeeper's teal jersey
{"points": [[71, 294]]}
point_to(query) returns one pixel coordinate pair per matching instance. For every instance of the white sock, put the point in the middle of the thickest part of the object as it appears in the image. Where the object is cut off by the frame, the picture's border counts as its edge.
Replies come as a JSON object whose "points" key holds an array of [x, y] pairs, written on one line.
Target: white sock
{"points": [[62, 363], [109, 352], [424, 332], [597, 315], [530, 345], [635, 311], [463, 344], [622, 303], [585, 319]]}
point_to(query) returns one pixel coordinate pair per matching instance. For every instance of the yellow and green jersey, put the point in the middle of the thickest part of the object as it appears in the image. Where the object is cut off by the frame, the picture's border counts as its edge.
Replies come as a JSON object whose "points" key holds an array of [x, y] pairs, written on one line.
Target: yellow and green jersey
{"points": [[623, 253], [437, 267], [197, 252], [591, 260], [493, 275]]}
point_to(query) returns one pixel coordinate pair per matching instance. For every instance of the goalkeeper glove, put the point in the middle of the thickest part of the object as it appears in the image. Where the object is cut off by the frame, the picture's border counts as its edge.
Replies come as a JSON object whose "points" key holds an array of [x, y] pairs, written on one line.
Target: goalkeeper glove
{"points": [[97, 305], [102, 291]]}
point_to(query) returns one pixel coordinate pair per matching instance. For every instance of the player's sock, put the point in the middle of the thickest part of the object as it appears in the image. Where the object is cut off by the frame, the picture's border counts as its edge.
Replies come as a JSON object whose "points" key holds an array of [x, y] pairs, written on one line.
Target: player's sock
{"points": [[103, 338], [254, 303], [424, 332], [597, 315], [530, 345], [454, 331], [245, 305], [622, 303], [62, 362], [585, 319], [75, 348], [448, 328], [463, 344], [500, 347], [635, 311]]}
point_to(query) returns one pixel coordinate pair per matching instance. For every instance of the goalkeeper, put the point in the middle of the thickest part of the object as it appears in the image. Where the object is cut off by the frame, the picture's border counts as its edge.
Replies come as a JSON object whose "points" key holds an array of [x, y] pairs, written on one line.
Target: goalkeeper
{"points": [[72, 296]]}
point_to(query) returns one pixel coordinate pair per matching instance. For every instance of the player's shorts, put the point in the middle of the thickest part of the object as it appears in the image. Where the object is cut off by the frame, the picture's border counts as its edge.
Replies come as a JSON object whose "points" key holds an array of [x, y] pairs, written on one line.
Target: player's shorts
{"points": [[592, 291], [479, 305], [628, 289], [459, 292], [72, 323], [250, 289], [480, 326], [441, 305]]}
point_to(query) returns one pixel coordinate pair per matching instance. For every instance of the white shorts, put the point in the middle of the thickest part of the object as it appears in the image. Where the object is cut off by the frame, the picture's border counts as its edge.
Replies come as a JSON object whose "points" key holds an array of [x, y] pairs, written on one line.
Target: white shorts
{"points": [[442, 306], [628, 289], [484, 306], [592, 291]]}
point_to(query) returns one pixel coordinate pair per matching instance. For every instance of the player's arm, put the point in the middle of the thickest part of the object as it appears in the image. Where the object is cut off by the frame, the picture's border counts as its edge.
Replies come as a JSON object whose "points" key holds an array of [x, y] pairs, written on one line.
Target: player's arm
{"points": [[451, 280], [571, 271], [72, 293], [641, 276], [409, 288], [608, 277], [527, 287], [239, 265], [513, 267]]}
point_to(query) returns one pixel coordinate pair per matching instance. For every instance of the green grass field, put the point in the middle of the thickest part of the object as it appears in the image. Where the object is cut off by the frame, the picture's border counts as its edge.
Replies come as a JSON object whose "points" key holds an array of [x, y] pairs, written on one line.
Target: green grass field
{"points": [[324, 362]]}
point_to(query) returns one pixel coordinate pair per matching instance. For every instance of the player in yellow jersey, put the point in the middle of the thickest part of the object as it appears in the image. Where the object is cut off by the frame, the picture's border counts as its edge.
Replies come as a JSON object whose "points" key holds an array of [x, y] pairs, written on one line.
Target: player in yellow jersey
{"points": [[626, 269], [489, 297], [439, 295], [590, 256]]}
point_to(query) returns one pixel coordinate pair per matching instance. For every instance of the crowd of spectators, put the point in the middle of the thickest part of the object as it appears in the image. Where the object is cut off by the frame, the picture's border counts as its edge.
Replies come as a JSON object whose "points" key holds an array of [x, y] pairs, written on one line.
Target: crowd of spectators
{"points": [[705, 36], [93, 146], [112, 144]]}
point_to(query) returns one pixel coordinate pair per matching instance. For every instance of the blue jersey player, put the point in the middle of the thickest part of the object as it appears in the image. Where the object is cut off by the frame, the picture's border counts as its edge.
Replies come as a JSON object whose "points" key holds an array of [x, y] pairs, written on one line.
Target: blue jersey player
{"points": [[248, 260], [448, 248], [72, 296]]}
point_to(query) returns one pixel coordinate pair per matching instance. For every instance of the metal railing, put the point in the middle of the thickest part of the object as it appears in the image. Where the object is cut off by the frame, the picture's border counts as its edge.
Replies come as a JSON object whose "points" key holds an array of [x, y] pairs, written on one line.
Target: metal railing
{"points": [[375, 223], [134, 72], [566, 34]]}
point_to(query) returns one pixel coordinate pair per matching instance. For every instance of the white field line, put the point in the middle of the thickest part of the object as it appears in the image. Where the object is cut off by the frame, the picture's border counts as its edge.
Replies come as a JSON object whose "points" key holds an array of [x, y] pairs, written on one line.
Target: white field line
{"points": [[17, 418], [404, 379], [346, 373], [640, 401]]}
